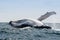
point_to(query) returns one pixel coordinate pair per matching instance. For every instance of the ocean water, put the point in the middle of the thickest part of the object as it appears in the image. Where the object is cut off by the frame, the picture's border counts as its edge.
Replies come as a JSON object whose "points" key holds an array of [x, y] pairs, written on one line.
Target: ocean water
{"points": [[9, 33]]}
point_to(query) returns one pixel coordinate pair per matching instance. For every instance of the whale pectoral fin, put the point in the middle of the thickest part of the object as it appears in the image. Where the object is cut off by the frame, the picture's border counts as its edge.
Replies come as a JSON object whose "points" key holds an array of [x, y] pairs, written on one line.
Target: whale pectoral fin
{"points": [[48, 14]]}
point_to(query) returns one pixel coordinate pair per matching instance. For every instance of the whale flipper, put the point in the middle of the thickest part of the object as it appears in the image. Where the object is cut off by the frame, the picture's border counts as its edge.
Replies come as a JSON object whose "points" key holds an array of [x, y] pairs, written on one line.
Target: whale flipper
{"points": [[48, 14]]}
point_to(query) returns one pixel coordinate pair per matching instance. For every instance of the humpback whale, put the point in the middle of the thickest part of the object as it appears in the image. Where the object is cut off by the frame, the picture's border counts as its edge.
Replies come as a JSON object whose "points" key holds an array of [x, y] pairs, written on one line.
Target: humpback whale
{"points": [[32, 22]]}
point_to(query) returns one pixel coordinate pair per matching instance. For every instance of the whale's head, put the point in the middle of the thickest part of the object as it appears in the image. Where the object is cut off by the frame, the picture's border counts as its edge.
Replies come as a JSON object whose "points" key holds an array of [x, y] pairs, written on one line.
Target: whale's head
{"points": [[10, 23]]}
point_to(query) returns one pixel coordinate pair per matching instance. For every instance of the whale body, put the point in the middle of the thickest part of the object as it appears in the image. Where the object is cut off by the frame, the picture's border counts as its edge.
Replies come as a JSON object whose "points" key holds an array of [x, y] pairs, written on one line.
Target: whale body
{"points": [[28, 23], [32, 22]]}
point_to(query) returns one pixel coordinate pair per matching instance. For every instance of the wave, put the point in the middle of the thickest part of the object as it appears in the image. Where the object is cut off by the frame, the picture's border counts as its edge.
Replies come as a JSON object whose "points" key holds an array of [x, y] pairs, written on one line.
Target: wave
{"points": [[9, 33], [28, 34]]}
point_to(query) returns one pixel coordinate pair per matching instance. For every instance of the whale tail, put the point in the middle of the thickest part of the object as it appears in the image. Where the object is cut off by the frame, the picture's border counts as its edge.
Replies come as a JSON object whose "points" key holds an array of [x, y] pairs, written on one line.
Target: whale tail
{"points": [[48, 14]]}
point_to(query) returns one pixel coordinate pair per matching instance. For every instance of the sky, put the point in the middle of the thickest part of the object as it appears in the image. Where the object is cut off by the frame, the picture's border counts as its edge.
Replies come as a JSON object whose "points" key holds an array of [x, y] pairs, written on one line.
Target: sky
{"points": [[18, 9]]}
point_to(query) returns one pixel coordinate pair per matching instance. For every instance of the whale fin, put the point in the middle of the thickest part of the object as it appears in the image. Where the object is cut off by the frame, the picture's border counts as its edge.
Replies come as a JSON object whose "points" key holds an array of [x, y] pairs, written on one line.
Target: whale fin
{"points": [[48, 14]]}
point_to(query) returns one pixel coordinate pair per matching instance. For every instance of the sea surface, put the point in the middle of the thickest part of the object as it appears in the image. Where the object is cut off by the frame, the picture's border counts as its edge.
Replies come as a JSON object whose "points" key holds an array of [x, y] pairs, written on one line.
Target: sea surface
{"points": [[10, 33]]}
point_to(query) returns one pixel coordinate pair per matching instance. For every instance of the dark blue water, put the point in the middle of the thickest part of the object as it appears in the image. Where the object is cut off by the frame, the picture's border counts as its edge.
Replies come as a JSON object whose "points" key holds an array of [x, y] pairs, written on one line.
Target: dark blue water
{"points": [[9, 33]]}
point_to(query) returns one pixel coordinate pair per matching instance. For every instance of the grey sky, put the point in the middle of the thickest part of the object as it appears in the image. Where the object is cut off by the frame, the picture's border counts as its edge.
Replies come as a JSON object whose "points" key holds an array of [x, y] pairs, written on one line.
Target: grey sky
{"points": [[17, 9]]}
